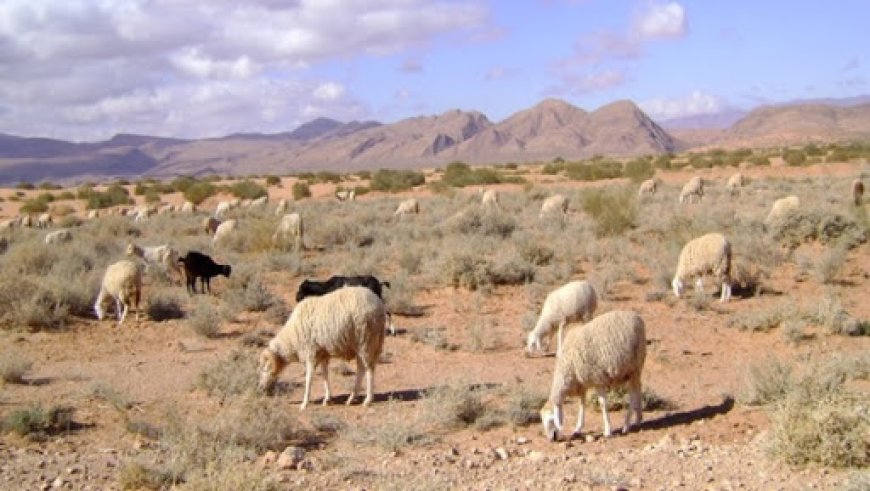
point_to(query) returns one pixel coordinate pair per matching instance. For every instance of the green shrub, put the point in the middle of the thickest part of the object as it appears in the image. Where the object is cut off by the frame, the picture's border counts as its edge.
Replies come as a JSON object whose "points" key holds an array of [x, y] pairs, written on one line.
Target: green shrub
{"points": [[37, 422], [112, 196], [395, 180], [614, 210], [638, 170], [198, 192], [248, 189], [13, 367], [593, 171], [272, 180], [794, 157], [204, 320], [301, 190]]}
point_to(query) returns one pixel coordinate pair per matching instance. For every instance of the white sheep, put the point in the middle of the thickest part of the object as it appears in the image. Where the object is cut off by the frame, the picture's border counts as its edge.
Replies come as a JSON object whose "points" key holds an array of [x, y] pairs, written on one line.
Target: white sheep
{"points": [[347, 323], [259, 202], [224, 231], [282, 207], [222, 209], [735, 182], [782, 208], [44, 220], [122, 283], [188, 207], [166, 209], [290, 227], [650, 186], [571, 302], [346, 195], [407, 207], [490, 199], [555, 203], [93, 215], [605, 353], [692, 189], [210, 224], [144, 213], [58, 236], [857, 191], [162, 256], [709, 253]]}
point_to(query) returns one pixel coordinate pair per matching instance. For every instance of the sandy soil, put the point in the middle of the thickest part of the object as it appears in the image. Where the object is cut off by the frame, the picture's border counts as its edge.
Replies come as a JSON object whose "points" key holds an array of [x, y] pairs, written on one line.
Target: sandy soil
{"points": [[708, 441]]}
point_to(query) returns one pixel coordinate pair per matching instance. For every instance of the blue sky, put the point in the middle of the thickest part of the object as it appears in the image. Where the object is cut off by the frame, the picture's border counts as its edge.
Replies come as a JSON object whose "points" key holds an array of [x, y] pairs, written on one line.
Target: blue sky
{"points": [[88, 69]]}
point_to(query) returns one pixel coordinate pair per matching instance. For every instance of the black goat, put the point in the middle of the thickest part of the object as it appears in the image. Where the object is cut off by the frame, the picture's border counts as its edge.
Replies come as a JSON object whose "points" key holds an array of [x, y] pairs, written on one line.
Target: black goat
{"points": [[314, 288], [198, 265]]}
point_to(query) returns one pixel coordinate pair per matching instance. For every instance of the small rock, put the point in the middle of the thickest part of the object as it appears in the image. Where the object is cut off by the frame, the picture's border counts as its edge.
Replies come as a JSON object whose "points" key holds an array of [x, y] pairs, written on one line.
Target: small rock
{"points": [[522, 440], [589, 438], [57, 483], [501, 453], [290, 458]]}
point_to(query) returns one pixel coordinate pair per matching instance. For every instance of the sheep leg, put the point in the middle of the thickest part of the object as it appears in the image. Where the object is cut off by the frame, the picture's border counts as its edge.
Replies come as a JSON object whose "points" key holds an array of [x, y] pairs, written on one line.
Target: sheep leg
{"points": [[633, 405], [309, 374], [357, 380], [726, 292], [699, 284], [327, 395], [602, 401], [370, 384], [559, 339], [581, 415]]}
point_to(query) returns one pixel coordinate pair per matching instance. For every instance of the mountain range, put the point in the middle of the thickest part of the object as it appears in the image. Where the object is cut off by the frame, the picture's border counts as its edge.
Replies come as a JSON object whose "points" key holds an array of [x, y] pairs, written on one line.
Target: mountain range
{"points": [[550, 129]]}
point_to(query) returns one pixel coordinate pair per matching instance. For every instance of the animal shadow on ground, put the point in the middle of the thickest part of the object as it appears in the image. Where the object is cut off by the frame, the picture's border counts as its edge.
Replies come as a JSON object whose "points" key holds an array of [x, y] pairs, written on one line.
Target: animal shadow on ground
{"points": [[687, 417]]}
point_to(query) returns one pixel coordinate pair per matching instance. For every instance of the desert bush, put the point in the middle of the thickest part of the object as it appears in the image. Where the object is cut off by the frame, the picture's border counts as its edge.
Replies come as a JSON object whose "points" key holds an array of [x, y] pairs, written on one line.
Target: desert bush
{"points": [[804, 225], [593, 171], [272, 180], [455, 406], [765, 319], [137, 475], [830, 263], [234, 375], [393, 181], [613, 211], [165, 305], [458, 174], [13, 367], [198, 192], [112, 196], [794, 157], [523, 404], [432, 336], [484, 222], [768, 381], [248, 189], [831, 315], [36, 422], [392, 431], [638, 170], [204, 320], [301, 190], [250, 294]]}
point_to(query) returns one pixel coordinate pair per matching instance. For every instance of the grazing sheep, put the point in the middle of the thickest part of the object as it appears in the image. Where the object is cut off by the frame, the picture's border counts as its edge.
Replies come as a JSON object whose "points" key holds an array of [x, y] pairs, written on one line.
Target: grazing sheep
{"points": [[555, 203], [144, 213], [188, 207], [735, 182], [347, 323], [223, 231], [345, 195], [122, 282], [58, 236], [93, 215], [571, 302], [857, 191], [693, 189], [407, 207], [709, 253], [162, 256], [166, 210], [25, 221], [650, 186], [198, 265], [260, 202], [44, 221], [282, 207], [490, 199], [290, 227], [605, 353], [314, 288], [782, 208], [222, 209], [210, 224]]}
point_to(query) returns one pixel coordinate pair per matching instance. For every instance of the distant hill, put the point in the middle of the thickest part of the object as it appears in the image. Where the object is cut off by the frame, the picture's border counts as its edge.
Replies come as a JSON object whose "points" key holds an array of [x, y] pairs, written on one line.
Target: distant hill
{"points": [[552, 128]]}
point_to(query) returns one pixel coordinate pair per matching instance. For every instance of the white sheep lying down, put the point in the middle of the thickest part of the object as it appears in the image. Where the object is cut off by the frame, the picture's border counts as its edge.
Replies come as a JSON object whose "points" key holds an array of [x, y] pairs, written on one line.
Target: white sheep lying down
{"points": [[709, 253], [571, 302], [122, 283], [605, 353], [347, 323]]}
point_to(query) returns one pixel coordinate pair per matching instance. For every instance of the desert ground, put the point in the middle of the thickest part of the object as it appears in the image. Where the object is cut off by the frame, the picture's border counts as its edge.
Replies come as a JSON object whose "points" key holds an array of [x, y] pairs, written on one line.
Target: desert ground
{"points": [[766, 391]]}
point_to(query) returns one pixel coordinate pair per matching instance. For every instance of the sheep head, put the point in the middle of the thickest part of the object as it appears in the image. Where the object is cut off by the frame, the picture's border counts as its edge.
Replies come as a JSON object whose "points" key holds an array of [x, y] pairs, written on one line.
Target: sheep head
{"points": [[551, 418], [270, 365]]}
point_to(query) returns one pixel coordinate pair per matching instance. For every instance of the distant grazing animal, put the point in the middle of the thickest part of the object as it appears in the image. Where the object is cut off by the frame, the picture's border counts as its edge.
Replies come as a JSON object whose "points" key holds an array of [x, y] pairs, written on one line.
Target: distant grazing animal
{"points": [[782, 208], [198, 265], [607, 352], [188, 207], [289, 228], [224, 231], [58, 236], [122, 283], [572, 302], [490, 199], [694, 189], [347, 324], [709, 253], [162, 256], [554, 204], [407, 207], [857, 191], [282, 207], [210, 224], [44, 220], [345, 195], [735, 182], [650, 186]]}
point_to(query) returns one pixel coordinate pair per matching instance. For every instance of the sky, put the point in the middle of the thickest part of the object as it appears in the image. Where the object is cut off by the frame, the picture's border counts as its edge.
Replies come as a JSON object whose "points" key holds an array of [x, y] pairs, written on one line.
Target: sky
{"points": [[85, 70]]}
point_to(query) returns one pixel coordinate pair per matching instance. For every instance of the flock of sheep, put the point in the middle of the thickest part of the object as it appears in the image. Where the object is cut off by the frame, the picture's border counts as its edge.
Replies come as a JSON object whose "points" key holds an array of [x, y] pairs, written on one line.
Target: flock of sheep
{"points": [[345, 317]]}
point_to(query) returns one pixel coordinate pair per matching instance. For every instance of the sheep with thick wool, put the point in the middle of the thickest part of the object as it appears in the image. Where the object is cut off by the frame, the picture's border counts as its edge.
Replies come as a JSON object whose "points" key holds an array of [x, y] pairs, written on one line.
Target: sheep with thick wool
{"points": [[162, 256], [489, 199], [347, 323], [692, 190], [650, 186], [122, 283], [571, 302], [224, 231], [553, 204], [289, 228], [857, 191], [782, 208], [735, 183], [607, 352], [708, 254], [407, 207], [58, 236]]}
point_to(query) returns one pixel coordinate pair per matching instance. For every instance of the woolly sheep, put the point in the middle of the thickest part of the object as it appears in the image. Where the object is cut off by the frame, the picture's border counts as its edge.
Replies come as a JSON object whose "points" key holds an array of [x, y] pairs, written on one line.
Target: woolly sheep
{"points": [[709, 253], [555, 203], [650, 186], [210, 224], [571, 302], [162, 256], [44, 220], [144, 213], [259, 202], [290, 227], [347, 323], [490, 199], [223, 231], [345, 195], [25, 221], [58, 236], [93, 215], [781, 208], [188, 207], [735, 182], [166, 210], [222, 209], [122, 283], [282, 207], [407, 207], [857, 191], [692, 189], [605, 353]]}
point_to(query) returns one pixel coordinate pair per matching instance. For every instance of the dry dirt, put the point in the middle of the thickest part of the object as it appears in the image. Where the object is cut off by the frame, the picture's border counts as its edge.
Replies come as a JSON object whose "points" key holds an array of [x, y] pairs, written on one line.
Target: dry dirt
{"points": [[708, 441]]}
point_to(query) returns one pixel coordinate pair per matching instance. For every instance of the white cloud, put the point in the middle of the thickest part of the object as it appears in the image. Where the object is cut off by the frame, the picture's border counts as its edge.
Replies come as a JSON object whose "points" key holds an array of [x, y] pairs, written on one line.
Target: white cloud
{"points": [[694, 104], [660, 21], [84, 69]]}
